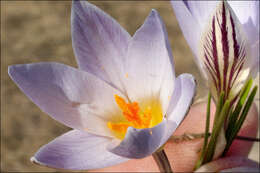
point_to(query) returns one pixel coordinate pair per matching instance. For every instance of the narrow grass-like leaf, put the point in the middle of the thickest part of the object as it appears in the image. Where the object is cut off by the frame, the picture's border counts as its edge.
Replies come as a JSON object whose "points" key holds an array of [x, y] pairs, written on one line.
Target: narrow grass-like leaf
{"points": [[234, 116], [241, 119], [199, 162], [216, 130]]}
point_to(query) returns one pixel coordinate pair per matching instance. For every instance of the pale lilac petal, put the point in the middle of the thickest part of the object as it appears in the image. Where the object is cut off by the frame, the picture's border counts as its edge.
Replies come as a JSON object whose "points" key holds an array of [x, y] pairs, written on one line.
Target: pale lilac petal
{"points": [[246, 11], [201, 10], [181, 100], [251, 31], [248, 15], [77, 150], [184, 91], [190, 26], [256, 59], [139, 143], [149, 67], [73, 97], [99, 42], [193, 17]]}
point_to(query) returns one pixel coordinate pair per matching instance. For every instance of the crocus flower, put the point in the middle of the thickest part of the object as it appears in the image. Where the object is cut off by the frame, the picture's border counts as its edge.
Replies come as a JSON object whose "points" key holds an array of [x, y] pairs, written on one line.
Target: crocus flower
{"points": [[124, 100], [224, 37]]}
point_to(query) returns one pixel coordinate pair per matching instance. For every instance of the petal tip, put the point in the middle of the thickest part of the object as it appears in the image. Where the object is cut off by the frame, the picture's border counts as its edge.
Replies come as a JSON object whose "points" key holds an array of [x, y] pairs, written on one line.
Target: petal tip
{"points": [[154, 14], [190, 77], [74, 2], [79, 5], [12, 70], [35, 161]]}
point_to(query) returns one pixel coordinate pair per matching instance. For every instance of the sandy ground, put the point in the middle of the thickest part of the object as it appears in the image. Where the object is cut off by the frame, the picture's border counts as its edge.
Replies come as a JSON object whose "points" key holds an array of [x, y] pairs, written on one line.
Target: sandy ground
{"points": [[40, 31]]}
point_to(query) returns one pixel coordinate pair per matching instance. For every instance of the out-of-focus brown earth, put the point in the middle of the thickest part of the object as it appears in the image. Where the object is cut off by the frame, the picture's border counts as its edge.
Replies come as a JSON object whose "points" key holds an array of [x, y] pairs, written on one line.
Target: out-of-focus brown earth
{"points": [[40, 31]]}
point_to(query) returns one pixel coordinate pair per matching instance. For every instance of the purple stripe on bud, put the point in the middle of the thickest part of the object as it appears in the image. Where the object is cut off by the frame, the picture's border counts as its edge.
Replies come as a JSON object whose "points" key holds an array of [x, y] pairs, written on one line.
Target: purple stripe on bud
{"points": [[211, 45], [223, 42]]}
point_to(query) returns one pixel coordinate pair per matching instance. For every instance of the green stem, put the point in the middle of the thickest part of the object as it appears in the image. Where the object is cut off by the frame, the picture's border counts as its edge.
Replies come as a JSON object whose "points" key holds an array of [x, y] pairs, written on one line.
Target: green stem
{"points": [[162, 161], [219, 108], [206, 135], [216, 131]]}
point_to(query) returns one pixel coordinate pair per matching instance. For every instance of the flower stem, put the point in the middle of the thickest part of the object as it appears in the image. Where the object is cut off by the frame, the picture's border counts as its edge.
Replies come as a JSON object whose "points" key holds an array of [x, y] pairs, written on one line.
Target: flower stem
{"points": [[215, 132], [199, 162], [162, 161]]}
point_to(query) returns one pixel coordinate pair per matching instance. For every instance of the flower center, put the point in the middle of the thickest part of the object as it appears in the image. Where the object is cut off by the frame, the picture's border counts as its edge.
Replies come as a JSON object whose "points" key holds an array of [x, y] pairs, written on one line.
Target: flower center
{"points": [[148, 117]]}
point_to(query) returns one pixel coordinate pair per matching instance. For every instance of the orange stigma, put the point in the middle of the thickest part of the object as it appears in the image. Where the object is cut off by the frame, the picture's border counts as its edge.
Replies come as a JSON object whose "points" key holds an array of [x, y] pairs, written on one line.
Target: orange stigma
{"points": [[134, 116]]}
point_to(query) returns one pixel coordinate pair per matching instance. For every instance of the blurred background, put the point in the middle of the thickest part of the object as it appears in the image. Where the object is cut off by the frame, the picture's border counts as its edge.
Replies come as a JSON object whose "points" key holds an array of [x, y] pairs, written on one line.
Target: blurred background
{"points": [[34, 31]]}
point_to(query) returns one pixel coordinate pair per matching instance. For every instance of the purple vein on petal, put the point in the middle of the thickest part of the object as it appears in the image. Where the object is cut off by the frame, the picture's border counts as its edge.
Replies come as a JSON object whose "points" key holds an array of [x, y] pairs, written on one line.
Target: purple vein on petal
{"points": [[212, 45], [225, 44], [239, 56]]}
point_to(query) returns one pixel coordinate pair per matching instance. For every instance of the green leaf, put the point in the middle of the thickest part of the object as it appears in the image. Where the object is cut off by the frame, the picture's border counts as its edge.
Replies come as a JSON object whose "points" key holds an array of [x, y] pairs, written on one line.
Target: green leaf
{"points": [[216, 130], [241, 119], [234, 116], [199, 162]]}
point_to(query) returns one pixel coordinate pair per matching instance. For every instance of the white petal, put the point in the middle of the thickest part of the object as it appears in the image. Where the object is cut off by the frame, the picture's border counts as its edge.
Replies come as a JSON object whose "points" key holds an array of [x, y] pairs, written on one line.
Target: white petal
{"points": [[77, 150], [99, 42], [73, 97], [149, 66]]}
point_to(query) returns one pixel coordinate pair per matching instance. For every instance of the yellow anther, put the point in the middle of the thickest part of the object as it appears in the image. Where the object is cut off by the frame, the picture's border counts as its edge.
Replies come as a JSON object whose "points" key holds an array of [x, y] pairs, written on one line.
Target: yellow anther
{"points": [[135, 117]]}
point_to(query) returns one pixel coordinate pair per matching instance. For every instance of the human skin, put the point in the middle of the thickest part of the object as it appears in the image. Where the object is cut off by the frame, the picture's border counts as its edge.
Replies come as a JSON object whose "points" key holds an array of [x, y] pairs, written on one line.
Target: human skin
{"points": [[184, 154]]}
